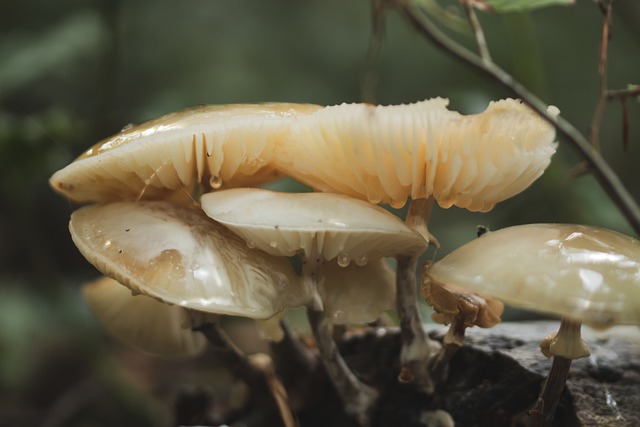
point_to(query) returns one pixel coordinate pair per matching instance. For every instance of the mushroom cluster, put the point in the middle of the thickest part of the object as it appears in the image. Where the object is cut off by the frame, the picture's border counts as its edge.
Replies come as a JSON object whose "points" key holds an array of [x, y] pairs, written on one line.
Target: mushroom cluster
{"points": [[173, 224]]}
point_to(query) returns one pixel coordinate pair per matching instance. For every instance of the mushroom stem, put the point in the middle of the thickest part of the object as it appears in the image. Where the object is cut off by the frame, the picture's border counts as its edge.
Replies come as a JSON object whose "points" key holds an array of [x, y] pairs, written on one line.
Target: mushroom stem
{"points": [[358, 397], [453, 340], [418, 219], [416, 346], [571, 346], [256, 376]]}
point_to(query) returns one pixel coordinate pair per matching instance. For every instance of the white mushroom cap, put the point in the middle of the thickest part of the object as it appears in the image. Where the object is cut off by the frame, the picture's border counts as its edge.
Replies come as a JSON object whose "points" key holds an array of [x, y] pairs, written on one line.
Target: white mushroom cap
{"points": [[587, 274], [208, 146], [386, 154], [357, 294], [143, 322], [181, 257], [330, 225]]}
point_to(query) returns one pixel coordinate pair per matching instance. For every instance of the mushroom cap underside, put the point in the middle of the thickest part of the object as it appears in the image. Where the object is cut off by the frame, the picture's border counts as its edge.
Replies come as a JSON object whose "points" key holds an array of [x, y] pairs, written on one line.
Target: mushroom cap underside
{"points": [[181, 257], [178, 154], [357, 294], [386, 154], [330, 225], [141, 321], [587, 274]]}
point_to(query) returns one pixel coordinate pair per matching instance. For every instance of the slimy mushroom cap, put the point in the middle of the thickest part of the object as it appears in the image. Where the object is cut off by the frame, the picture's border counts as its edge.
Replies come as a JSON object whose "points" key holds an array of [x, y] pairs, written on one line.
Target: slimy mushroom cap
{"points": [[181, 257], [206, 147], [587, 274], [331, 225]]}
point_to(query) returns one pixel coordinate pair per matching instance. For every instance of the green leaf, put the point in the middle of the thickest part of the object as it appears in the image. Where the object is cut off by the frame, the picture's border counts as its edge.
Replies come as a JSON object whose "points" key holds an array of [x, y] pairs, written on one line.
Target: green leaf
{"points": [[502, 6]]}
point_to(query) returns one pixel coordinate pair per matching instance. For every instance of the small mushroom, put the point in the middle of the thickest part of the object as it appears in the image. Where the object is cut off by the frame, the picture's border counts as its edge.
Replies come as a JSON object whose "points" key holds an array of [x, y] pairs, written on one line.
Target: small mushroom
{"points": [[179, 256], [322, 227], [460, 309], [582, 274], [179, 154], [143, 322], [425, 152]]}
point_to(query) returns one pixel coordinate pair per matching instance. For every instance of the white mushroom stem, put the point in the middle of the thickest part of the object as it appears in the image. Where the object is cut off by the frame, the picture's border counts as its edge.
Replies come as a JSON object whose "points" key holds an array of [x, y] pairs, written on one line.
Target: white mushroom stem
{"points": [[565, 346], [416, 346], [358, 398]]}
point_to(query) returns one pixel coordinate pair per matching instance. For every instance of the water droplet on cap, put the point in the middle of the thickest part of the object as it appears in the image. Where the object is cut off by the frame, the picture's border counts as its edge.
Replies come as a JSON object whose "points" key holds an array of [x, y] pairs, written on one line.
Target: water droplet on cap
{"points": [[215, 182], [362, 260], [273, 244], [343, 260], [339, 316], [251, 244]]}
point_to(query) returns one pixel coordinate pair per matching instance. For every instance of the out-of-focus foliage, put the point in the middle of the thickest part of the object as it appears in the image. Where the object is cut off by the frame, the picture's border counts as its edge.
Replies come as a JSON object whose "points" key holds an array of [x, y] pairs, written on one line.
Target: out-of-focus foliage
{"points": [[72, 73]]}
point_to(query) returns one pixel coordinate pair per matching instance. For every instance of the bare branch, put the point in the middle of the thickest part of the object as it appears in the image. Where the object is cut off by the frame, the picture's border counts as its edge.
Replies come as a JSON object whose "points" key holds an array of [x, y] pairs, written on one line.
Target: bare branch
{"points": [[594, 131], [601, 170], [477, 31]]}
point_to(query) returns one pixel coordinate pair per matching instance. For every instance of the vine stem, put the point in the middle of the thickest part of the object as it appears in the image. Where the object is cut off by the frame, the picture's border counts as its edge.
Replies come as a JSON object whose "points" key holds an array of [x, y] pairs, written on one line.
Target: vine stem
{"points": [[607, 178]]}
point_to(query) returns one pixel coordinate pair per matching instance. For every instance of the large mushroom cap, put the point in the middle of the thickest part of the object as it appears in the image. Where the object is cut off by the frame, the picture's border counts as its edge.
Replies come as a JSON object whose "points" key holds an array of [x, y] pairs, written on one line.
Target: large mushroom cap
{"points": [[588, 274], [181, 257], [141, 321], [331, 225], [386, 154], [211, 146]]}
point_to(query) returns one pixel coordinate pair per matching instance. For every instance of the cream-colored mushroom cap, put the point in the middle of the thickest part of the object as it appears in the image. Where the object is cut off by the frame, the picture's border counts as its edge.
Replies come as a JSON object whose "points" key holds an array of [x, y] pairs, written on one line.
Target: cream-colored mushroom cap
{"points": [[357, 294], [171, 156], [180, 256], [330, 225], [141, 321], [386, 154], [587, 274]]}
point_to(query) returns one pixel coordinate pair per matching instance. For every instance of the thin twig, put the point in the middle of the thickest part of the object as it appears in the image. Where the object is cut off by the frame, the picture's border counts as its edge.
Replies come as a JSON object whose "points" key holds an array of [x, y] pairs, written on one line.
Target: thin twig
{"points": [[602, 73], [624, 93], [373, 54], [481, 41], [600, 169]]}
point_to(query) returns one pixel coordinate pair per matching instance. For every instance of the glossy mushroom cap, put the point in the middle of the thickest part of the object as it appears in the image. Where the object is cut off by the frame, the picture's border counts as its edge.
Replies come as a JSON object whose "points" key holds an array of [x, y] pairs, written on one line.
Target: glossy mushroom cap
{"points": [[206, 147], [331, 225], [385, 154], [587, 274], [143, 322], [181, 257]]}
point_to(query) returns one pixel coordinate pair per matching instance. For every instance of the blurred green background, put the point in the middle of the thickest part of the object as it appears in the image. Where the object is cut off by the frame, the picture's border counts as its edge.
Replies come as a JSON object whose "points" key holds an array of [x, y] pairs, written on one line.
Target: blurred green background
{"points": [[74, 72]]}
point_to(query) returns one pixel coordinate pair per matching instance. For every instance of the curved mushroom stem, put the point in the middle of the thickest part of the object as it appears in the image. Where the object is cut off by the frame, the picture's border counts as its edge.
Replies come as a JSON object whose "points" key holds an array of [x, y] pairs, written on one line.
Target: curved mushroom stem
{"points": [[415, 353], [256, 375], [453, 340], [569, 343], [416, 346], [357, 397]]}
